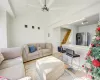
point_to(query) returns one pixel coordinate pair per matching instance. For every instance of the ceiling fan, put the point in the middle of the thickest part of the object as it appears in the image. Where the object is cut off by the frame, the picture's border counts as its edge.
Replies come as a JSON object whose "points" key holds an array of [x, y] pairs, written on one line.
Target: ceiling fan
{"points": [[46, 7]]}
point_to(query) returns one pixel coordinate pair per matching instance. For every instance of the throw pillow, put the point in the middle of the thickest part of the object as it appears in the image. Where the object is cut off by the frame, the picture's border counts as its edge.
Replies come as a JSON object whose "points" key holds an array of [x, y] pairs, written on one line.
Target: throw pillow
{"points": [[1, 58], [43, 45], [32, 49]]}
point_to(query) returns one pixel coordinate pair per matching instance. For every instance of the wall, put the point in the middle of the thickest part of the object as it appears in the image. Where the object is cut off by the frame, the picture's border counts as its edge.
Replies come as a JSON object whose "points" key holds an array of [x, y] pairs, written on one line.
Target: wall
{"points": [[56, 40], [9, 24], [3, 30], [21, 35], [89, 28]]}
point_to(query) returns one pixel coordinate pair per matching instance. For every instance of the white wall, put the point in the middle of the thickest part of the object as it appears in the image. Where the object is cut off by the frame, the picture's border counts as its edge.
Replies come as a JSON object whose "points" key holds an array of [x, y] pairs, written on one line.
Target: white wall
{"points": [[21, 35], [56, 40], [9, 24], [89, 28], [3, 30]]}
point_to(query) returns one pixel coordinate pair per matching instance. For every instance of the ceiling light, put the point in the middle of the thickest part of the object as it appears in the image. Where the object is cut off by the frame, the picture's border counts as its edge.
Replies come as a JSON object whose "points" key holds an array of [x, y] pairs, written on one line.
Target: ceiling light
{"points": [[84, 22], [76, 21]]}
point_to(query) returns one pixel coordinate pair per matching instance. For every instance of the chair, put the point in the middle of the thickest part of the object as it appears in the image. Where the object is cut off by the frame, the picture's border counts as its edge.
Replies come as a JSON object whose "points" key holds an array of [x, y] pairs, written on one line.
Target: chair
{"points": [[72, 54], [60, 49]]}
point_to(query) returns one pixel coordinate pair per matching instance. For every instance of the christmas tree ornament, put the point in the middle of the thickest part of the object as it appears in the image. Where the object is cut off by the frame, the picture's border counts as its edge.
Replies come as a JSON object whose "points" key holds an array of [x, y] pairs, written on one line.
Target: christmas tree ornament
{"points": [[96, 63], [98, 29], [82, 65], [86, 58], [89, 52], [97, 38], [92, 45]]}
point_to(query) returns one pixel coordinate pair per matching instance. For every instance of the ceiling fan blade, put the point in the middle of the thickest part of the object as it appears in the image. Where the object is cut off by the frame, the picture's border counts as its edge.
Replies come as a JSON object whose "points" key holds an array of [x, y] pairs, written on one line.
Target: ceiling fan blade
{"points": [[50, 3], [41, 3], [33, 6], [59, 8]]}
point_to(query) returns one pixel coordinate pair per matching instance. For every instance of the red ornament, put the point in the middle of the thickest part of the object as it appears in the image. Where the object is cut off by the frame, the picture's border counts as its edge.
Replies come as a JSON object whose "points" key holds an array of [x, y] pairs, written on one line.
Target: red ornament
{"points": [[86, 58], [82, 65], [92, 45], [90, 70], [98, 28], [89, 52], [96, 63]]}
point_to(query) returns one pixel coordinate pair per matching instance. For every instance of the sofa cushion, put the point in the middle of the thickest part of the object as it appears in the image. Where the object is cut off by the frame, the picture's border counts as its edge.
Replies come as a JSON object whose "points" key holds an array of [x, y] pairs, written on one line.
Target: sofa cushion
{"points": [[10, 62], [32, 49], [11, 53], [48, 46], [46, 50], [42, 45], [1, 58], [33, 56], [14, 72], [34, 53]]}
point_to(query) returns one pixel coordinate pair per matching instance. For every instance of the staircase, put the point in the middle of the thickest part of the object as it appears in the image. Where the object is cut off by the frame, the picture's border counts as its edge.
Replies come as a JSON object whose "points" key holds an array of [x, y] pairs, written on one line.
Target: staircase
{"points": [[66, 37]]}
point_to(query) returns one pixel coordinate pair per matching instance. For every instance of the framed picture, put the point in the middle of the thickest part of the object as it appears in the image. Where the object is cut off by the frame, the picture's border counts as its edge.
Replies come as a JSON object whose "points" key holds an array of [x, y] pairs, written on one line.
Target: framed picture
{"points": [[32, 27], [39, 28], [26, 26]]}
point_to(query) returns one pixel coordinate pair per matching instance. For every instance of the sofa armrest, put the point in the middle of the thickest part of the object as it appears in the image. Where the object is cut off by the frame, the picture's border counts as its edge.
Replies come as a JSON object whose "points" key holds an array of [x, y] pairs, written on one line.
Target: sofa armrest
{"points": [[49, 46], [10, 53], [38, 48], [25, 52], [26, 78]]}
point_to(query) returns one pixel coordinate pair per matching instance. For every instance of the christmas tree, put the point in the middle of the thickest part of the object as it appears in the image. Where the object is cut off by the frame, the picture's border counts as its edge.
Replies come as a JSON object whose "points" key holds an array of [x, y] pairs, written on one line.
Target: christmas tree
{"points": [[92, 65]]}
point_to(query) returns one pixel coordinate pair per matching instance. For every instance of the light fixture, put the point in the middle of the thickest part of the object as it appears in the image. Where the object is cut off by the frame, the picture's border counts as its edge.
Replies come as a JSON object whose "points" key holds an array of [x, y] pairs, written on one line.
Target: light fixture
{"points": [[76, 21], [84, 22]]}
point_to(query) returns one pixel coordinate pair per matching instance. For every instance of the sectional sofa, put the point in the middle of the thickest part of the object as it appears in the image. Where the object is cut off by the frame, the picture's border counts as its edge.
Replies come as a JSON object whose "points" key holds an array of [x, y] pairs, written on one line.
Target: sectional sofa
{"points": [[12, 67], [43, 49]]}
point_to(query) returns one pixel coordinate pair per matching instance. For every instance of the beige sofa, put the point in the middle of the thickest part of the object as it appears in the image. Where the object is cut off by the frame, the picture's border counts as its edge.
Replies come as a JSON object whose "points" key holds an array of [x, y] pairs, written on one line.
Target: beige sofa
{"points": [[12, 67], [43, 49]]}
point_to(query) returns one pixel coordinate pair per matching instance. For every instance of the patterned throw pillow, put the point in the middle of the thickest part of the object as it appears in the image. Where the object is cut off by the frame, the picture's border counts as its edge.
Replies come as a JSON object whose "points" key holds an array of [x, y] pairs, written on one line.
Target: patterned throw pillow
{"points": [[1, 58]]}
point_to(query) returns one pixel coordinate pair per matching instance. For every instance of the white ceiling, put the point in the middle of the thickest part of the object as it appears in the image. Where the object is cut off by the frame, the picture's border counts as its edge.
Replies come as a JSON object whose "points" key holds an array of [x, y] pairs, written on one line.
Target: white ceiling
{"points": [[5, 5], [91, 20], [20, 6]]}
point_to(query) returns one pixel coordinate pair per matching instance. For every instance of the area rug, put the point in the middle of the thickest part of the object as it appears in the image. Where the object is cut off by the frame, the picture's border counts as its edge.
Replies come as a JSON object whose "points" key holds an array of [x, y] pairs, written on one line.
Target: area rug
{"points": [[30, 68]]}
